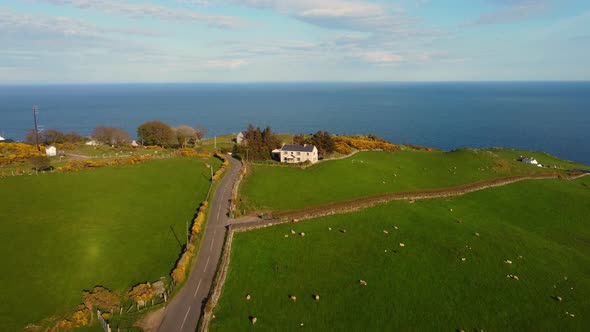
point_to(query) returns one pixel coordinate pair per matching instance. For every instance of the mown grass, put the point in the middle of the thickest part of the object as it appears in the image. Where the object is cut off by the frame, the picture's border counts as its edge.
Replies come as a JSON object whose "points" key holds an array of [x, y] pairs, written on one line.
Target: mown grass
{"points": [[542, 226], [278, 188], [66, 232]]}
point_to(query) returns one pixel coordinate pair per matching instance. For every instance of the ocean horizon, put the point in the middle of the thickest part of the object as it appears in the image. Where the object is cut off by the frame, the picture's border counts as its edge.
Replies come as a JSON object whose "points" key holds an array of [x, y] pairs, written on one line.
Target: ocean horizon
{"points": [[551, 116]]}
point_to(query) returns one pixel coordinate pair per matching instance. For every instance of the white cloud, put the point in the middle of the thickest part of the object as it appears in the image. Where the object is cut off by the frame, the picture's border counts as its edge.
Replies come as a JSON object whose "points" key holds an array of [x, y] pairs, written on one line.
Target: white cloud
{"points": [[381, 57], [224, 64], [146, 10]]}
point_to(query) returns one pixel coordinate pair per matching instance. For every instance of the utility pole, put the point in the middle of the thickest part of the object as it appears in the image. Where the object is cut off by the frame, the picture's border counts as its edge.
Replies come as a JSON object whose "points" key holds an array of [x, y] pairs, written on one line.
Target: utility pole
{"points": [[36, 129], [215, 142]]}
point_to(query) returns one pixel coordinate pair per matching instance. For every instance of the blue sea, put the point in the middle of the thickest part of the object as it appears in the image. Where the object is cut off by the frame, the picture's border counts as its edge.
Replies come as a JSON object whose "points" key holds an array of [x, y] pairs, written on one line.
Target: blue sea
{"points": [[546, 116]]}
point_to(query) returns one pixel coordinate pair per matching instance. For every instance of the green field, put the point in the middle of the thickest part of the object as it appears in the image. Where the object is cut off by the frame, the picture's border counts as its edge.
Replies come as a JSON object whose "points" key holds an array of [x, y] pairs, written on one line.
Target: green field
{"points": [[283, 188], [66, 232], [542, 226]]}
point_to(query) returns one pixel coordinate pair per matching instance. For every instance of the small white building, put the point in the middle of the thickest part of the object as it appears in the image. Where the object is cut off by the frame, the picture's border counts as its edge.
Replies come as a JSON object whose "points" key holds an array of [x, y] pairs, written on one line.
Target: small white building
{"points": [[531, 161], [239, 138], [91, 142], [51, 151], [294, 154], [134, 144], [2, 139]]}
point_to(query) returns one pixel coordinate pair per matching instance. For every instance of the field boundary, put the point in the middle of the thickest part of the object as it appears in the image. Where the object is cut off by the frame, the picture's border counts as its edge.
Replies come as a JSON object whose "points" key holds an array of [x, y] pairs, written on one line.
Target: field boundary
{"points": [[347, 207], [369, 201]]}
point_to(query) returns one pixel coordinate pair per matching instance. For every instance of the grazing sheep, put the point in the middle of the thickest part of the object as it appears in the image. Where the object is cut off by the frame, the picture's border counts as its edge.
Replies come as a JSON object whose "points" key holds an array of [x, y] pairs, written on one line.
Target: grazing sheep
{"points": [[451, 210], [293, 231], [508, 261], [401, 244], [329, 228], [253, 320], [463, 259], [316, 297], [476, 234], [286, 235], [293, 298], [386, 232], [342, 231], [302, 234], [395, 227], [362, 282], [248, 297]]}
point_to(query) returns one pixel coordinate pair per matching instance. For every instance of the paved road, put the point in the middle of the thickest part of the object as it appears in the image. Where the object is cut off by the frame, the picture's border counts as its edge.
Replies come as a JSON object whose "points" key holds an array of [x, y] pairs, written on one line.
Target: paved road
{"points": [[182, 313]]}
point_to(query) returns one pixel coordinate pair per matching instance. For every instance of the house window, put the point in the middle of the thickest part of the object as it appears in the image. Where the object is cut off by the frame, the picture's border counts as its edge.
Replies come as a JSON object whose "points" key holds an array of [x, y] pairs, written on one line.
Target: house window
{"points": [[298, 159], [298, 153]]}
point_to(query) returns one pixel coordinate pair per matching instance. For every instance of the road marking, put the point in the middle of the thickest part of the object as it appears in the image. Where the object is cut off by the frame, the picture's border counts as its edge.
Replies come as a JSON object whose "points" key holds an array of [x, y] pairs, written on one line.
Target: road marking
{"points": [[185, 316], [206, 264], [199, 285], [211, 248]]}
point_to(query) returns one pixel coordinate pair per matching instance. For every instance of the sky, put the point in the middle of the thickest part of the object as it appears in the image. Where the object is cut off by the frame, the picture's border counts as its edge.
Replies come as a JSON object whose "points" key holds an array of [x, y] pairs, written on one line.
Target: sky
{"points": [[111, 41]]}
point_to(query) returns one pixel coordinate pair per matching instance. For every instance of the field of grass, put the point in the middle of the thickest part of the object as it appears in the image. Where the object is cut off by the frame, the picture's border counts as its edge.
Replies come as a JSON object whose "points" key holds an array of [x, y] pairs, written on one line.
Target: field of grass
{"points": [[226, 142], [283, 188], [541, 226], [66, 232]]}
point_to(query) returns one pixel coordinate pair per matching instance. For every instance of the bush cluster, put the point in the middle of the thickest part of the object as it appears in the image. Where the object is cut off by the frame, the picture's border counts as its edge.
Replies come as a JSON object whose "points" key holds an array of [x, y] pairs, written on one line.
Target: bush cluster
{"points": [[179, 272], [224, 165], [142, 292], [76, 165], [345, 144], [199, 219], [16, 153]]}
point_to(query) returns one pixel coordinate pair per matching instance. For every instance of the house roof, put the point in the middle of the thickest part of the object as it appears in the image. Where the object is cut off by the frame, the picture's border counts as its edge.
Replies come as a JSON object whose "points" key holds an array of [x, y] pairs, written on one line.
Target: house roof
{"points": [[298, 148]]}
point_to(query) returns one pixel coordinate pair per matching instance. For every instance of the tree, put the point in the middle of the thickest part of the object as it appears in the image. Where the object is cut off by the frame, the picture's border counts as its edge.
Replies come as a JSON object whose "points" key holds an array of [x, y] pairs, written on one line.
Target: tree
{"points": [[30, 137], [74, 138], [324, 142], [110, 135], [185, 135], [200, 132], [156, 133], [299, 139], [260, 143], [52, 136]]}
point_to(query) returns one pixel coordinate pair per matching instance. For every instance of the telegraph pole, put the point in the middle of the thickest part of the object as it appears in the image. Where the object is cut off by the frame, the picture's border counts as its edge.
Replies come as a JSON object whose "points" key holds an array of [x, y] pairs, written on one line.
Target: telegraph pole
{"points": [[36, 129]]}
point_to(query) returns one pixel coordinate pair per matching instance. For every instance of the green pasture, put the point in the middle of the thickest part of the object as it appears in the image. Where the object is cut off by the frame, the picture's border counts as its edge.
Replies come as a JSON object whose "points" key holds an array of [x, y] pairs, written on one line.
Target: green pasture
{"points": [[445, 277], [113, 226], [278, 187]]}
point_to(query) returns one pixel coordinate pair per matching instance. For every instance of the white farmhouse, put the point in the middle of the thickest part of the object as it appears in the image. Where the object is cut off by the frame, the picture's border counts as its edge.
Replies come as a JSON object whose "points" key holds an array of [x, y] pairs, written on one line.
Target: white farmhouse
{"points": [[292, 153], [51, 151]]}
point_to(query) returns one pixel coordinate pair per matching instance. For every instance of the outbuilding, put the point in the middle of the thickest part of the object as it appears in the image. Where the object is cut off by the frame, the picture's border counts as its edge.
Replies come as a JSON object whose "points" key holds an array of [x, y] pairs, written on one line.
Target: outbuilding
{"points": [[51, 151]]}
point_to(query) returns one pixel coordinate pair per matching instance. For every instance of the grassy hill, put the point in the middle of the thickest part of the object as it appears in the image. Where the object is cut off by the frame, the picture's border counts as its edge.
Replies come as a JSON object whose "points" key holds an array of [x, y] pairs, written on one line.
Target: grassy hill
{"points": [[451, 273], [66, 232], [283, 188]]}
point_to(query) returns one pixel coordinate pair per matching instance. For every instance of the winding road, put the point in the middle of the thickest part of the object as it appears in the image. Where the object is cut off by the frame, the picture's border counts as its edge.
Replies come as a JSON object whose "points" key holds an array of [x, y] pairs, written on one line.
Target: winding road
{"points": [[183, 311]]}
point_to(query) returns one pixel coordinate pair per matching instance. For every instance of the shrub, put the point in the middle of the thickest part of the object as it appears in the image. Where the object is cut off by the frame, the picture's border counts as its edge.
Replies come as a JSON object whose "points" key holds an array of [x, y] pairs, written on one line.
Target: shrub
{"points": [[16, 153], [142, 292], [101, 298]]}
